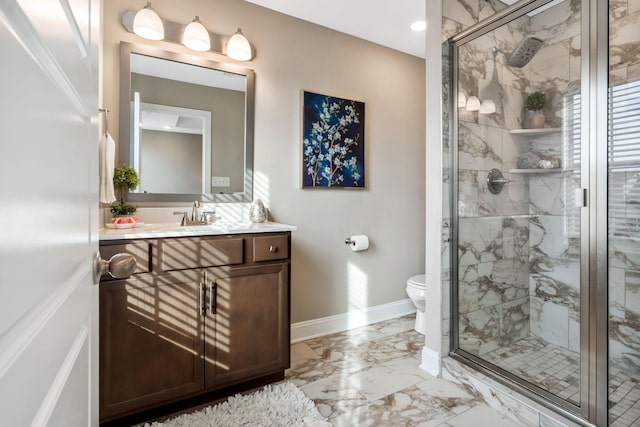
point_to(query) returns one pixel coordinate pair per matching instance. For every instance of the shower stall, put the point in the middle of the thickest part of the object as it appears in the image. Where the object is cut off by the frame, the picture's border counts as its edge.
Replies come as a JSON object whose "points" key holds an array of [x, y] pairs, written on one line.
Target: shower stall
{"points": [[545, 236]]}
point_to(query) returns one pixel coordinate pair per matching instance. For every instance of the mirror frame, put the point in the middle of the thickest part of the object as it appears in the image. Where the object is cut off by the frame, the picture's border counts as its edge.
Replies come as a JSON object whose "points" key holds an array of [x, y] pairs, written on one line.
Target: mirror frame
{"points": [[126, 49]]}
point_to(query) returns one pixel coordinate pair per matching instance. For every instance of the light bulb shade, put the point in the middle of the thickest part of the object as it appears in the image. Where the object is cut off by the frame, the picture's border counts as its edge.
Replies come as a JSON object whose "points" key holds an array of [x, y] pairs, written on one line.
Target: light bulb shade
{"points": [[196, 36], [238, 47], [147, 24], [462, 100], [487, 107], [473, 103]]}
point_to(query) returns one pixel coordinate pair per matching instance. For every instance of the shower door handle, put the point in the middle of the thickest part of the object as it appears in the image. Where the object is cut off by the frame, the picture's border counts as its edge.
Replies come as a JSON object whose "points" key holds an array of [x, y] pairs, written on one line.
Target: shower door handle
{"points": [[580, 196]]}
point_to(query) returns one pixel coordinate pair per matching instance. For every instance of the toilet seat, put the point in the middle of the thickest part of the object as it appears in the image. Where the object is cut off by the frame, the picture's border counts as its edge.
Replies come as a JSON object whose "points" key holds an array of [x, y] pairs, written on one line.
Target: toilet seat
{"points": [[417, 281]]}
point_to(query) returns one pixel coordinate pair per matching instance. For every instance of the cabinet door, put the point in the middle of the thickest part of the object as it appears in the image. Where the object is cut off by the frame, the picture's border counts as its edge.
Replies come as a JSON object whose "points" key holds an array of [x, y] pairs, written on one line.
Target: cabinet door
{"points": [[249, 335], [150, 341]]}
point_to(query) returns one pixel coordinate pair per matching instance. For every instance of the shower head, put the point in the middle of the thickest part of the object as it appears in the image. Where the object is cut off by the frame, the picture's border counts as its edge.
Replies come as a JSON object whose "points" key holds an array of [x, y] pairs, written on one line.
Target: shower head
{"points": [[523, 53]]}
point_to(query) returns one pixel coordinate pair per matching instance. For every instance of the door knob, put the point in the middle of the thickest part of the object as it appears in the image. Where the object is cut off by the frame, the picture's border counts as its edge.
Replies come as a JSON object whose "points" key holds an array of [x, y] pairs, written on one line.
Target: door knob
{"points": [[119, 266]]}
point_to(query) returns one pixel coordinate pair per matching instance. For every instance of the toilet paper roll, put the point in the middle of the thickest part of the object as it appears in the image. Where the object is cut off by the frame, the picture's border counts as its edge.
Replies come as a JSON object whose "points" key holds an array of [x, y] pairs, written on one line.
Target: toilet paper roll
{"points": [[359, 242]]}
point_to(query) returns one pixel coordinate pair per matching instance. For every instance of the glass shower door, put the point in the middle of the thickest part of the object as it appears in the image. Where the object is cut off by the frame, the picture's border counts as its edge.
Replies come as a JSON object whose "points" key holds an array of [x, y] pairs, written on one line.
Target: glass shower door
{"points": [[624, 215], [517, 241]]}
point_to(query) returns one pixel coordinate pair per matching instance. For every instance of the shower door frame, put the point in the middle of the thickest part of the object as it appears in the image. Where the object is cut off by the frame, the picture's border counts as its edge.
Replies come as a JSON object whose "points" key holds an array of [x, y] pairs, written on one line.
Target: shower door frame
{"points": [[592, 407]]}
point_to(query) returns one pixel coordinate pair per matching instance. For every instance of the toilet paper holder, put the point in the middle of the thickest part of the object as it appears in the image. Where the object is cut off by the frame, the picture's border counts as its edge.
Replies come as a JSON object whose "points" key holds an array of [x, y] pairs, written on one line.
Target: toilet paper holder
{"points": [[357, 243]]}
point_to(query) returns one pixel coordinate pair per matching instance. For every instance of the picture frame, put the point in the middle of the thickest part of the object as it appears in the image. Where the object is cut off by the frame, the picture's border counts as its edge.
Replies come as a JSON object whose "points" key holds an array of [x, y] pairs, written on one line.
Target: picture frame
{"points": [[333, 142]]}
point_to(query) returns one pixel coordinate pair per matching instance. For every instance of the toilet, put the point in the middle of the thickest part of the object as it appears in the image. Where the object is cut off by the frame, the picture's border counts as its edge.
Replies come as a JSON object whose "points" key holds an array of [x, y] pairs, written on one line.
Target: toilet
{"points": [[416, 291]]}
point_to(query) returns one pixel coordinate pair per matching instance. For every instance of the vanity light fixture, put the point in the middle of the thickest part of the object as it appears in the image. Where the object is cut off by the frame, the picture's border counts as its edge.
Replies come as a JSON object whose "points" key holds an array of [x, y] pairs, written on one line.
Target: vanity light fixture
{"points": [[238, 47], [147, 24], [462, 100], [473, 103], [196, 36], [487, 107]]}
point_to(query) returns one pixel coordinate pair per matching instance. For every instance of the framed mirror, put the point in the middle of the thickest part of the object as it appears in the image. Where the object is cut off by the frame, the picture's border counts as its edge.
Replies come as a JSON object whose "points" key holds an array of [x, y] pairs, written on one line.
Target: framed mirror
{"points": [[186, 126]]}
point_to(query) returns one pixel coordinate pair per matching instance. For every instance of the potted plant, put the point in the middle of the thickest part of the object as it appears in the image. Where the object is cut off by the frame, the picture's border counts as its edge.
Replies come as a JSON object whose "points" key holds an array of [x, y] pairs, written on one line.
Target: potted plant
{"points": [[534, 103], [125, 178]]}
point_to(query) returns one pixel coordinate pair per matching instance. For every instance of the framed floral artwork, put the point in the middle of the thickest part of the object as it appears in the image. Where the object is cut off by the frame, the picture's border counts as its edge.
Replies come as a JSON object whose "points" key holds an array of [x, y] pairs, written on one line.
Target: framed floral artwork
{"points": [[332, 142]]}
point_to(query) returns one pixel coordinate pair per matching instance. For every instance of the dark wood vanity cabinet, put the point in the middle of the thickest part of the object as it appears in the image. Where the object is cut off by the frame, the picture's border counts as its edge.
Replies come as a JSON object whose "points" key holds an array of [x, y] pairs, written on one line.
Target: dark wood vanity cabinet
{"points": [[151, 341], [208, 313]]}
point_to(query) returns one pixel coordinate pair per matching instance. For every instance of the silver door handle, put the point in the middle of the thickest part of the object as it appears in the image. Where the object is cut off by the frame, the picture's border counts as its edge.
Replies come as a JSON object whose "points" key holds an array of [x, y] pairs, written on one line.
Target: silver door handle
{"points": [[213, 290], [202, 289], [119, 266]]}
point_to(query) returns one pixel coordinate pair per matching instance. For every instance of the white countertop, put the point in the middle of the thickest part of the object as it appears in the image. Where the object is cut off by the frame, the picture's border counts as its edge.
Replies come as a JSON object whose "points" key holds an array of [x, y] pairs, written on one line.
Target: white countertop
{"points": [[174, 229]]}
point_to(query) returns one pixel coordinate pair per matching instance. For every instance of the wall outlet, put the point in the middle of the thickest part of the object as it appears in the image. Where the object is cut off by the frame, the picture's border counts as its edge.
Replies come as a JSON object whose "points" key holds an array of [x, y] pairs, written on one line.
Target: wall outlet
{"points": [[220, 181]]}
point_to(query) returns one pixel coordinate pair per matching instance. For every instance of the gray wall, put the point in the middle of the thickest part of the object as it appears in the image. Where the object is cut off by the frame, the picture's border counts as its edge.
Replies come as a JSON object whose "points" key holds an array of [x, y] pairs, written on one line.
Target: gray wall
{"points": [[227, 126], [291, 55], [178, 153]]}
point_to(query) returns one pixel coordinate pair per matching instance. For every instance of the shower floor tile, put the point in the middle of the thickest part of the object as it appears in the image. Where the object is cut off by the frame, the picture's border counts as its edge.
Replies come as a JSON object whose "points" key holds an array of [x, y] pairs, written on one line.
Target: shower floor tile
{"points": [[624, 398], [557, 370], [550, 367]]}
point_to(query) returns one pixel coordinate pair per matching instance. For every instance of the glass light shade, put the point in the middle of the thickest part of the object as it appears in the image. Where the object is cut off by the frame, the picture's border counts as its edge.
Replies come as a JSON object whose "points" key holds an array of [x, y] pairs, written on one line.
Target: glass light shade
{"points": [[238, 47], [147, 24], [196, 36], [462, 100], [473, 103], [487, 107]]}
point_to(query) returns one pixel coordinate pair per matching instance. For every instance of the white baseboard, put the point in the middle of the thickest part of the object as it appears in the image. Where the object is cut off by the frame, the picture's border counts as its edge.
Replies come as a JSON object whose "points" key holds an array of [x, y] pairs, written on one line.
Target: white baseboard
{"points": [[353, 319], [431, 362]]}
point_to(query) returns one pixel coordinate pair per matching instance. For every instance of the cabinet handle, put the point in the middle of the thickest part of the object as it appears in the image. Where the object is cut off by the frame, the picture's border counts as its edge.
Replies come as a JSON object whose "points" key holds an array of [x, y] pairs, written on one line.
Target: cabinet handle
{"points": [[273, 248], [213, 296], [203, 308]]}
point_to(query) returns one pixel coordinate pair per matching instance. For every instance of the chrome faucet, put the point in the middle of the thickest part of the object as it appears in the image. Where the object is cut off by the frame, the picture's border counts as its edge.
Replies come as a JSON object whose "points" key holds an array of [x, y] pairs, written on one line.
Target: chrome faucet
{"points": [[198, 217], [195, 212]]}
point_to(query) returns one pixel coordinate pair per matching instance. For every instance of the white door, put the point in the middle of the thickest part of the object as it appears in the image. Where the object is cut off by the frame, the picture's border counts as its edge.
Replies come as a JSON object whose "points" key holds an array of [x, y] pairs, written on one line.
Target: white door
{"points": [[48, 212]]}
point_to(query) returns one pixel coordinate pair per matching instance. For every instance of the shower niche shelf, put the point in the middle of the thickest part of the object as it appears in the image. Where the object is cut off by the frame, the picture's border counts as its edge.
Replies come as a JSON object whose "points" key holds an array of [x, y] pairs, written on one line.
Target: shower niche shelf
{"points": [[555, 170], [535, 132]]}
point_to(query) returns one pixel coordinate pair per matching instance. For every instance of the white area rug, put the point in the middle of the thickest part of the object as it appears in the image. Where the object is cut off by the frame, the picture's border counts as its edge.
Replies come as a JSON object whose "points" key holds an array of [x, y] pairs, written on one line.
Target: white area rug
{"points": [[282, 405]]}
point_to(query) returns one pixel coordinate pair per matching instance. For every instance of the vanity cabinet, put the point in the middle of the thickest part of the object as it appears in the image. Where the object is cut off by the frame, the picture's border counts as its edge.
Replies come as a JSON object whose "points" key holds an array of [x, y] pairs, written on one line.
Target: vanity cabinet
{"points": [[205, 313]]}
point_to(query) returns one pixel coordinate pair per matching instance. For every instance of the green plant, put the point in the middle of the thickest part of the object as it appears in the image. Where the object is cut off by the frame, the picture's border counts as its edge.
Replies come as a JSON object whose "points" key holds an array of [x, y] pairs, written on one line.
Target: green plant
{"points": [[535, 101], [120, 208], [124, 178]]}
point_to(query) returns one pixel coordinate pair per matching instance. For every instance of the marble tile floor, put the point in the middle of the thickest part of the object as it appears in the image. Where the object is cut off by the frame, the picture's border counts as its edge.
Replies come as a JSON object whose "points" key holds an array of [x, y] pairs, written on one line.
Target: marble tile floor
{"points": [[370, 376]]}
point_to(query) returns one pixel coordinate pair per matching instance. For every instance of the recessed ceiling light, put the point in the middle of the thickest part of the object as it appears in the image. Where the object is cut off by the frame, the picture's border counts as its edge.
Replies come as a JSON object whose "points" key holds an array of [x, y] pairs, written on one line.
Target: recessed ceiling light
{"points": [[419, 26]]}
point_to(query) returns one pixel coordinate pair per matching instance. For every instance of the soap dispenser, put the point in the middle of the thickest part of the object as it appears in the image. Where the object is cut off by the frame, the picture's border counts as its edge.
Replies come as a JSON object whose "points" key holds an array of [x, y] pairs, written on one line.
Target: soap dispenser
{"points": [[257, 212]]}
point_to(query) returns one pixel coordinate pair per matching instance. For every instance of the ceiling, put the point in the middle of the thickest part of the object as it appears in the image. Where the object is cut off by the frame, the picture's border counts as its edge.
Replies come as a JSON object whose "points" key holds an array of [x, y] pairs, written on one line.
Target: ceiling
{"points": [[384, 22]]}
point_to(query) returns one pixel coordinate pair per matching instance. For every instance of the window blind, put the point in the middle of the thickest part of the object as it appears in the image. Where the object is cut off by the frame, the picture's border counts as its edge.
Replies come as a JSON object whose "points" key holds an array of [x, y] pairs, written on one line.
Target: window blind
{"points": [[571, 161], [624, 161]]}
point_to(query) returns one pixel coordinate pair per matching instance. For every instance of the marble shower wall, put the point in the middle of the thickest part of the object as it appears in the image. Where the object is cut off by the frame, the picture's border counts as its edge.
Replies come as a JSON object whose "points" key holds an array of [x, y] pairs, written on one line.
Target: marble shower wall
{"points": [[457, 16], [624, 251], [554, 239], [493, 238], [525, 226]]}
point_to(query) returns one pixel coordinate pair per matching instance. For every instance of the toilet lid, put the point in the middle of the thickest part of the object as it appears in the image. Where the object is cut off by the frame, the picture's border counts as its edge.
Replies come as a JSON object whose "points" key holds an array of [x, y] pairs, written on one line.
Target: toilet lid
{"points": [[417, 280]]}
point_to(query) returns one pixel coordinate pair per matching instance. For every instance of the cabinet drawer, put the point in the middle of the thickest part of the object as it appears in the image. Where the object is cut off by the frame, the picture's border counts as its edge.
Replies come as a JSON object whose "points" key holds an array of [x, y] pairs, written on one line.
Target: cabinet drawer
{"points": [[139, 249], [200, 252], [268, 248]]}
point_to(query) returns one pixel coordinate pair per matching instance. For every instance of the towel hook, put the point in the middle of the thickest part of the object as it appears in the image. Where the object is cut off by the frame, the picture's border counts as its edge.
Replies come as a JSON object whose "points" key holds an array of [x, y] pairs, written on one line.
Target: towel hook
{"points": [[106, 119]]}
